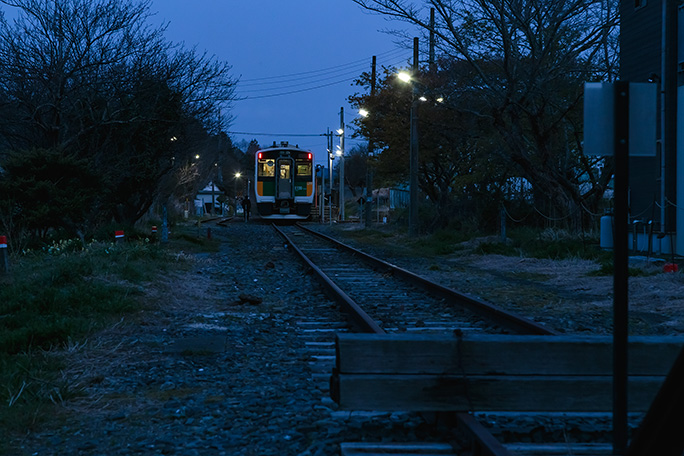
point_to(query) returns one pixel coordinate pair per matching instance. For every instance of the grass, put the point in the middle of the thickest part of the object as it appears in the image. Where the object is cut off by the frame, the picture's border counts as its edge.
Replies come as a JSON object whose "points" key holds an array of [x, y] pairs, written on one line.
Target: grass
{"points": [[57, 296], [521, 242], [547, 244], [527, 242]]}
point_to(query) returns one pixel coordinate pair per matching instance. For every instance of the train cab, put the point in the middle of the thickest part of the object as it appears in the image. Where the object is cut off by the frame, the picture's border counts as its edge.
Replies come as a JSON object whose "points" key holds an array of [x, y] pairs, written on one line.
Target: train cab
{"points": [[284, 182]]}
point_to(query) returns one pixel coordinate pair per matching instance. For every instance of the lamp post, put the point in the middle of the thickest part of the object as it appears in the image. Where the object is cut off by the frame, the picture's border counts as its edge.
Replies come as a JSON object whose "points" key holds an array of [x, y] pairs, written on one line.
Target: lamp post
{"points": [[235, 189], [413, 143], [413, 152], [321, 193], [330, 167], [369, 172], [341, 165], [213, 191]]}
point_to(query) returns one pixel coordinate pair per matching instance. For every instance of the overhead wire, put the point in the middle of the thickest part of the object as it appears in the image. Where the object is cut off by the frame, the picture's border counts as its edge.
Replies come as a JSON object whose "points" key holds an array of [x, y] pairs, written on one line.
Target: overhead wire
{"points": [[340, 74], [360, 62]]}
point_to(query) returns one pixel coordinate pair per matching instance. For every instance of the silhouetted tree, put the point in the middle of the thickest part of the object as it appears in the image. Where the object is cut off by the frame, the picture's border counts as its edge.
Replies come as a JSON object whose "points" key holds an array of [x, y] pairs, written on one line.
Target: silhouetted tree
{"points": [[93, 80], [527, 61]]}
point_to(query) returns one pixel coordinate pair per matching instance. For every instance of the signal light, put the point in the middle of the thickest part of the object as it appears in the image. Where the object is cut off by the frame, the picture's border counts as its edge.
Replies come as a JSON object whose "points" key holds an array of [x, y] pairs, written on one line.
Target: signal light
{"points": [[309, 156]]}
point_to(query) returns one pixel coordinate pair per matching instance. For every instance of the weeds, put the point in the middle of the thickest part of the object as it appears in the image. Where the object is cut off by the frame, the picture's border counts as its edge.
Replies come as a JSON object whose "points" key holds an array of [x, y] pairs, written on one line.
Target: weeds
{"points": [[54, 297]]}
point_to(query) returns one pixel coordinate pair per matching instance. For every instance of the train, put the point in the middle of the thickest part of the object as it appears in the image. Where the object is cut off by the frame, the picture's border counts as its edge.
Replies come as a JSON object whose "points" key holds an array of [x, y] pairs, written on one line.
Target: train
{"points": [[284, 182]]}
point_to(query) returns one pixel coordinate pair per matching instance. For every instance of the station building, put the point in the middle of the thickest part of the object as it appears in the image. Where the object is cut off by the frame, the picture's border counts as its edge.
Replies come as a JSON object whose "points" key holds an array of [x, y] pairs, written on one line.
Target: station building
{"points": [[652, 50]]}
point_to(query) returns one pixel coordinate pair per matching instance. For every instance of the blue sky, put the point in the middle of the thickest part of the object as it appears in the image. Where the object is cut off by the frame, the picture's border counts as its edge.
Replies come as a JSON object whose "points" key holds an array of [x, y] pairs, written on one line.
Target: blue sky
{"points": [[299, 45]]}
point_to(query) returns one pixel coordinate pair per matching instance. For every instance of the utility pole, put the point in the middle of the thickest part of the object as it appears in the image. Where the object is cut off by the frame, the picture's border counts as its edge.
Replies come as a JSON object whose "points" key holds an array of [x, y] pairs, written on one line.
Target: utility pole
{"points": [[341, 165], [369, 159], [413, 150], [330, 167]]}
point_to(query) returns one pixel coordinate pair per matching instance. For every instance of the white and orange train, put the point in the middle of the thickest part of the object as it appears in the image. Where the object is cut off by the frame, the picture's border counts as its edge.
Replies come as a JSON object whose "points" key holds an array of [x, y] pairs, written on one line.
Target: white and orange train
{"points": [[284, 182]]}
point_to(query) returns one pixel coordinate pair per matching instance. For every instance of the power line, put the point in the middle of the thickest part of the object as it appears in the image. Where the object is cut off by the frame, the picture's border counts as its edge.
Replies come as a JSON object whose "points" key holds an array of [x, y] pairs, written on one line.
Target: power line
{"points": [[244, 133], [249, 81], [315, 73], [348, 73], [306, 89], [346, 76], [294, 91]]}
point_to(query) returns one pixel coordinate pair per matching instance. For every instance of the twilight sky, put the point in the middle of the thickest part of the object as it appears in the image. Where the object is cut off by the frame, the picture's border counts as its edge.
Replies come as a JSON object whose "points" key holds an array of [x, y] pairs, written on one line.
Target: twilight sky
{"points": [[299, 45]]}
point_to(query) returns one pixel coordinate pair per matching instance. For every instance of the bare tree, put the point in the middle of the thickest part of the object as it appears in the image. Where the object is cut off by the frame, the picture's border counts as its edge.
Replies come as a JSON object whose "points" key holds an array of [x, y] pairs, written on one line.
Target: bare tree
{"points": [[94, 78]]}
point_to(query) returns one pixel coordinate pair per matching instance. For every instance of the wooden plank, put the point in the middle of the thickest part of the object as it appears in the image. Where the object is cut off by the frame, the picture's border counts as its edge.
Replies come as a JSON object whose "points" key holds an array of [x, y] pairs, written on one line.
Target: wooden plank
{"points": [[486, 393], [499, 354], [373, 449], [560, 449]]}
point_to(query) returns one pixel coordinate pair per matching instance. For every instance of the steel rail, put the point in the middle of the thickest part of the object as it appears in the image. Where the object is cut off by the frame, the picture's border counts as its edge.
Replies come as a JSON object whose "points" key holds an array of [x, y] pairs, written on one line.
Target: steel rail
{"points": [[506, 319], [358, 316], [484, 443]]}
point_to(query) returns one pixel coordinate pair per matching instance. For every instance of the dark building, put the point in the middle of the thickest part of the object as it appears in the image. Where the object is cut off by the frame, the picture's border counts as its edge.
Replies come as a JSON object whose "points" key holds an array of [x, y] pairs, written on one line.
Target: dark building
{"points": [[650, 52]]}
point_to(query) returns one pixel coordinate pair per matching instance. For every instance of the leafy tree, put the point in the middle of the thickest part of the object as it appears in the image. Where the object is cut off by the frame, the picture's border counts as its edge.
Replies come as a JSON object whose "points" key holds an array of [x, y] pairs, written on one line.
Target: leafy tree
{"points": [[527, 61], [46, 189], [456, 169]]}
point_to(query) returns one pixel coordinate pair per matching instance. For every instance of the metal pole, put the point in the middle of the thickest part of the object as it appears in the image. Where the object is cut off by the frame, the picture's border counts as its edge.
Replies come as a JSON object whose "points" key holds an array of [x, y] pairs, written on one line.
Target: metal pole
{"points": [[620, 277], [213, 197], [330, 167], [369, 171], [413, 151], [165, 225], [341, 165], [661, 90], [322, 198]]}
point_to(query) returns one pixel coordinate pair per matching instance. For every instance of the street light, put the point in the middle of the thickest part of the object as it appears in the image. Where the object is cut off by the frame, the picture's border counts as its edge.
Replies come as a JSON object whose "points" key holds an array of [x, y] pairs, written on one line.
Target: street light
{"points": [[404, 76], [235, 189], [340, 132], [413, 146], [331, 157]]}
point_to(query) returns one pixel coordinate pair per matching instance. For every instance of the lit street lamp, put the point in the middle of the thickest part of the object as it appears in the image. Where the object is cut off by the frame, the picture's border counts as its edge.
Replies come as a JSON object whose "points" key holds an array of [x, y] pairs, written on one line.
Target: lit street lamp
{"points": [[235, 189], [413, 144], [341, 165]]}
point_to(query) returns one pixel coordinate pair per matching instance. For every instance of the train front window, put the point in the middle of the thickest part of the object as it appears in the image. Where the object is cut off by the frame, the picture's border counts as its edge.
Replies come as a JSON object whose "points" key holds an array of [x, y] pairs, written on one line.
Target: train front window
{"points": [[266, 168], [303, 168], [285, 170]]}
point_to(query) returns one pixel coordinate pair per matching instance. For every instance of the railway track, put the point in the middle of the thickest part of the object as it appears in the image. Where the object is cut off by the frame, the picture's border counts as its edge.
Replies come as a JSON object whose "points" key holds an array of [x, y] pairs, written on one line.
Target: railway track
{"points": [[382, 298]]}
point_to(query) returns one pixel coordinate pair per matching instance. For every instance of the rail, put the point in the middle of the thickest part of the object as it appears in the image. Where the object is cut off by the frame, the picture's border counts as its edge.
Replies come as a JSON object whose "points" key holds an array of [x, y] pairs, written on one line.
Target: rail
{"points": [[484, 443], [509, 320], [359, 317]]}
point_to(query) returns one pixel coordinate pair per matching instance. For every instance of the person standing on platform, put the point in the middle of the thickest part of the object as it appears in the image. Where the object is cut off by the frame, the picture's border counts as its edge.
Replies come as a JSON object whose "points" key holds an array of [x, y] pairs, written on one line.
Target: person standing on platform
{"points": [[246, 205]]}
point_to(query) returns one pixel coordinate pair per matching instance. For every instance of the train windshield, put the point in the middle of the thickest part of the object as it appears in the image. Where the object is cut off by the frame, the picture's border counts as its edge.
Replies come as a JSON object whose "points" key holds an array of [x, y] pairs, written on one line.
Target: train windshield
{"points": [[285, 170], [266, 167], [304, 168]]}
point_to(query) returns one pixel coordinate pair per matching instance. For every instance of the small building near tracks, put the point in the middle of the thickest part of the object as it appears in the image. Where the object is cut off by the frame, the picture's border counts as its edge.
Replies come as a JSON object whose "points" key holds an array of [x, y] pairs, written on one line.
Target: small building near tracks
{"points": [[652, 50]]}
